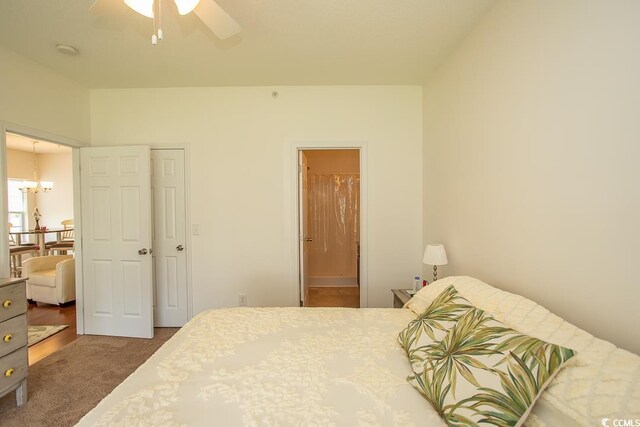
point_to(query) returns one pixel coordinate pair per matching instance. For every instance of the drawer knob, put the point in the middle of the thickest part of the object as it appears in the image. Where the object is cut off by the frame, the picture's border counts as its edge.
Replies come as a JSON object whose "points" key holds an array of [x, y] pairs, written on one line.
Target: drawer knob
{"points": [[8, 372], [7, 338], [7, 303]]}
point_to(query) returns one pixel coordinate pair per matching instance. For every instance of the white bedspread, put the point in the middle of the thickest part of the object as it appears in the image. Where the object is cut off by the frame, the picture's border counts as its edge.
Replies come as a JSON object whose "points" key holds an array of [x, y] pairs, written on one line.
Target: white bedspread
{"points": [[274, 367], [344, 367]]}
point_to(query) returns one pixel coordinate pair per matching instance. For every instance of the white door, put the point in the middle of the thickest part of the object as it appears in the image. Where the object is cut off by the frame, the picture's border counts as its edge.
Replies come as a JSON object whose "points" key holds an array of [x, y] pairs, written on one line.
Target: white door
{"points": [[169, 237], [116, 241], [303, 231]]}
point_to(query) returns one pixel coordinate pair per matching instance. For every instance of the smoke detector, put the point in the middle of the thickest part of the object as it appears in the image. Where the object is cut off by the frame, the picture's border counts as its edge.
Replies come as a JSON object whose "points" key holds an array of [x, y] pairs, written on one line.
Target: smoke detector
{"points": [[67, 50]]}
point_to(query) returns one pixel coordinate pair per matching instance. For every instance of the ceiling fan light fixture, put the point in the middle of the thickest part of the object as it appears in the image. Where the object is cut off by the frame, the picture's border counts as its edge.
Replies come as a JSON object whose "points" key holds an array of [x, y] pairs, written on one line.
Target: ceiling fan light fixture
{"points": [[186, 6], [143, 7]]}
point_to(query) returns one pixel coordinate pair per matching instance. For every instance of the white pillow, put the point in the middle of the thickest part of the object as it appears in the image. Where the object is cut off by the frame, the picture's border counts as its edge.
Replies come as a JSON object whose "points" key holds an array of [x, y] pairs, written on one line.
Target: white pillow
{"points": [[602, 381]]}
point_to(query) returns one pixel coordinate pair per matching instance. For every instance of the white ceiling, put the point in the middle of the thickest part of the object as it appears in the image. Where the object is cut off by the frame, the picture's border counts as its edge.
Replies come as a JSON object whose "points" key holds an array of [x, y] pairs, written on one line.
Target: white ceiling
{"points": [[283, 42], [23, 143]]}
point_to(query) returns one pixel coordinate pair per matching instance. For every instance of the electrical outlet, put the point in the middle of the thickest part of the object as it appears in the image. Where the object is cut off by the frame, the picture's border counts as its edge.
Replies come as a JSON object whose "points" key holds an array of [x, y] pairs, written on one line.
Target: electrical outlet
{"points": [[242, 300]]}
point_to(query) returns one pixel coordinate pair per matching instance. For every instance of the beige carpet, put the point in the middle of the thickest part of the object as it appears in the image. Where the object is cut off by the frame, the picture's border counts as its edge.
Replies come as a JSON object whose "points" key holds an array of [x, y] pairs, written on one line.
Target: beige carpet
{"points": [[69, 383]]}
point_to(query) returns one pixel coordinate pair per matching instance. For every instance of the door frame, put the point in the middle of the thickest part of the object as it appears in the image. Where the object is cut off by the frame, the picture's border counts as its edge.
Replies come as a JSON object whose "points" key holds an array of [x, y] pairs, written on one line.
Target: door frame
{"points": [[75, 146], [292, 172], [187, 213]]}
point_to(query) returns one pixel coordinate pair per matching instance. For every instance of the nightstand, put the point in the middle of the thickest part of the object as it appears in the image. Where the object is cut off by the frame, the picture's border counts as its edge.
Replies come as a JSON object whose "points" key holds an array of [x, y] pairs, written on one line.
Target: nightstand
{"points": [[400, 297]]}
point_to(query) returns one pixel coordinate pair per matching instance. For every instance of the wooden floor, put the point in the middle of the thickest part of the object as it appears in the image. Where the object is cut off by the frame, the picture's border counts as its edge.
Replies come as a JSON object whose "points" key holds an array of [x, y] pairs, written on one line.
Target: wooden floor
{"points": [[51, 315], [334, 297]]}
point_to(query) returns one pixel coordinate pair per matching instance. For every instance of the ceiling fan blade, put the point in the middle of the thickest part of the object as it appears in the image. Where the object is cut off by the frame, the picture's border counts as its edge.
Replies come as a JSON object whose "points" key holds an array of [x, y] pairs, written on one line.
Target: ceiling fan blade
{"points": [[108, 14], [101, 7], [217, 19]]}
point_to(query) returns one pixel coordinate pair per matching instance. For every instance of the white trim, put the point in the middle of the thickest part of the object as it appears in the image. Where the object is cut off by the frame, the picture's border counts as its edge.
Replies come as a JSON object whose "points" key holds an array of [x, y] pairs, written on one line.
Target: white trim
{"points": [[291, 174], [5, 267], [4, 233], [41, 135], [77, 244]]}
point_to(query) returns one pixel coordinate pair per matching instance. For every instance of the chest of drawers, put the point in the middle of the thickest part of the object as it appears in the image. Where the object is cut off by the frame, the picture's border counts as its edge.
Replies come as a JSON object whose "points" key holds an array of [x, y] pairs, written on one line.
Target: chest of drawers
{"points": [[14, 362]]}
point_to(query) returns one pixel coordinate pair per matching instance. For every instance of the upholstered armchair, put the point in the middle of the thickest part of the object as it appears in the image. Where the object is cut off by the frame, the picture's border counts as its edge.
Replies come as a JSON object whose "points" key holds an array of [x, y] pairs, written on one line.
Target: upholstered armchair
{"points": [[52, 279]]}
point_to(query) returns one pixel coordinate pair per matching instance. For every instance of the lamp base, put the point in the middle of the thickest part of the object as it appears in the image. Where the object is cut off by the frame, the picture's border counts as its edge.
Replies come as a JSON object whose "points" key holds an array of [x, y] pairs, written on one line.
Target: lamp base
{"points": [[435, 273]]}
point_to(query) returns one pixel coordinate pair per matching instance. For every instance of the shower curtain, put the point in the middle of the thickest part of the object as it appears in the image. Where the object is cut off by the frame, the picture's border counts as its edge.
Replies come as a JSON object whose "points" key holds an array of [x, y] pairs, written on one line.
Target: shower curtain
{"points": [[334, 215]]}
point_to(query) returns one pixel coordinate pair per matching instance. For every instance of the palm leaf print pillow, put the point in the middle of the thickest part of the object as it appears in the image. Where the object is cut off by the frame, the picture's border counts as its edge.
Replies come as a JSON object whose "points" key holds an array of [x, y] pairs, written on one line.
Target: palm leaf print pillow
{"points": [[473, 369]]}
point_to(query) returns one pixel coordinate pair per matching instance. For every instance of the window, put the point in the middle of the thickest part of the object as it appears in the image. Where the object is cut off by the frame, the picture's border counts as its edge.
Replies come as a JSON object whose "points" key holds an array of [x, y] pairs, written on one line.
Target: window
{"points": [[17, 205]]}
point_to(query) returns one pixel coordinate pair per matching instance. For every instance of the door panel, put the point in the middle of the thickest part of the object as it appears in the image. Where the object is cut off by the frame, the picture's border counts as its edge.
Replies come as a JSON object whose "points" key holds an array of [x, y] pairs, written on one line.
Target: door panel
{"points": [[169, 237], [116, 218]]}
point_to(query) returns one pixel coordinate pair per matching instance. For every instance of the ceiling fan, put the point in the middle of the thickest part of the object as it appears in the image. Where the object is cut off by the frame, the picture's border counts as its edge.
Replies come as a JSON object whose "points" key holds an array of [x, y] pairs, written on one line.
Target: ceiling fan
{"points": [[213, 16]]}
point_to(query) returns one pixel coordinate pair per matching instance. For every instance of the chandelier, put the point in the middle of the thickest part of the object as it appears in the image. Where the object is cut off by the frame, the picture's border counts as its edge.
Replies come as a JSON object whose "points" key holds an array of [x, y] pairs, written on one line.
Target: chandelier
{"points": [[35, 186]]}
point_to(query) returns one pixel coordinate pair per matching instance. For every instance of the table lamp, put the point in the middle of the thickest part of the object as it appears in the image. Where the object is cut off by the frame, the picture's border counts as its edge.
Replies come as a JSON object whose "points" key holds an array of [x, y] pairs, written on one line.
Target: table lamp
{"points": [[435, 255]]}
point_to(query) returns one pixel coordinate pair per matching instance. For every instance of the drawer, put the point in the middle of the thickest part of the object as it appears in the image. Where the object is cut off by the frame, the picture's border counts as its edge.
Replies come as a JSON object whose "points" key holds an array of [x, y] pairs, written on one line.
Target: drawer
{"points": [[13, 334], [13, 368], [13, 300]]}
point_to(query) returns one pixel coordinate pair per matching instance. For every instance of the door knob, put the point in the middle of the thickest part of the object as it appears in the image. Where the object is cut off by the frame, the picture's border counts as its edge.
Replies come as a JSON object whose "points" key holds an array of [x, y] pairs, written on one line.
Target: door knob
{"points": [[143, 251], [180, 248]]}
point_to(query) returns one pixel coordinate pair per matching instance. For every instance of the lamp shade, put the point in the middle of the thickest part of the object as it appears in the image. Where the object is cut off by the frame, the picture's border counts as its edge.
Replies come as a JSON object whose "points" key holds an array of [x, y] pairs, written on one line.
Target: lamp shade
{"points": [[435, 255], [29, 185]]}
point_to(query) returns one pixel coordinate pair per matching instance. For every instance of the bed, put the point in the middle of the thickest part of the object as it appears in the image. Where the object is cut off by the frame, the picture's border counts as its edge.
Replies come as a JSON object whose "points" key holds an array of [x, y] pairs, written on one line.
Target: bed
{"points": [[344, 367]]}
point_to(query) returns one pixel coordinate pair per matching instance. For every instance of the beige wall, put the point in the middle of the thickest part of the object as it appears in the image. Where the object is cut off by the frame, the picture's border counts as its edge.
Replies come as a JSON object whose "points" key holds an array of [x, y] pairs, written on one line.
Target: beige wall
{"points": [[531, 151], [19, 164], [56, 205], [34, 96], [241, 143]]}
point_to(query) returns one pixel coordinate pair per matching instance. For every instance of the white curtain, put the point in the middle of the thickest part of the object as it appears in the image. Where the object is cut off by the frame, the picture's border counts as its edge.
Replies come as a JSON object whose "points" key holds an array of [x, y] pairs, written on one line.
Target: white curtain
{"points": [[334, 215]]}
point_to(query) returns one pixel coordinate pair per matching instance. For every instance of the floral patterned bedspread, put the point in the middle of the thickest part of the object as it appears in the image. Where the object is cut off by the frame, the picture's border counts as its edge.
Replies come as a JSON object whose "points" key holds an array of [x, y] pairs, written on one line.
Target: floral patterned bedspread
{"points": [[275, 367]]}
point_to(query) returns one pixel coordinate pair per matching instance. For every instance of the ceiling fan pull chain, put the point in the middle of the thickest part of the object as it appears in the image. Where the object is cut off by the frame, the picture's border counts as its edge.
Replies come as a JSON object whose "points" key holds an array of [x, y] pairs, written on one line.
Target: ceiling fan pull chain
{"points": [[154, 36], [160, 32]]}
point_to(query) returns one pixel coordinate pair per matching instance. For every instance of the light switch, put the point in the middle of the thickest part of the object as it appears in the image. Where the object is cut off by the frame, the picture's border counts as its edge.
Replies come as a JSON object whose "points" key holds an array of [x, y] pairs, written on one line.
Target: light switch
{"points": [[195, 229]]}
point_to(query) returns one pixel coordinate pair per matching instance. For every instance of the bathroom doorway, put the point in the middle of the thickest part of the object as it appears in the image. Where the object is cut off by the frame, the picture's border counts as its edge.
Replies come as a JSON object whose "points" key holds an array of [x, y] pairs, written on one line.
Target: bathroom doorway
{"points": [[329, 211]]}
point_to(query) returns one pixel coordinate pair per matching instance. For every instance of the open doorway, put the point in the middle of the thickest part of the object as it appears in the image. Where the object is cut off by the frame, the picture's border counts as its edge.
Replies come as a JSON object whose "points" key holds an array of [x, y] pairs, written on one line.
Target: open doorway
{"points": [[41, 238], [329, 198], [171, 279]]}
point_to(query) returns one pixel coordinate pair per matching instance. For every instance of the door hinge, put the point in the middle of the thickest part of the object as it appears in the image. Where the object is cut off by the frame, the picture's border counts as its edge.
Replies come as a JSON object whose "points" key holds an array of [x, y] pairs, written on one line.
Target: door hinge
{"points": [[299, 168]]}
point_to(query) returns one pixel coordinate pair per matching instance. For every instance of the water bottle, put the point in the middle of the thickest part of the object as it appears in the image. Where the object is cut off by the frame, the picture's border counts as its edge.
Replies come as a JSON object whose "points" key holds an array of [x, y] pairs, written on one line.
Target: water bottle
{"points": [[417, 285]]}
